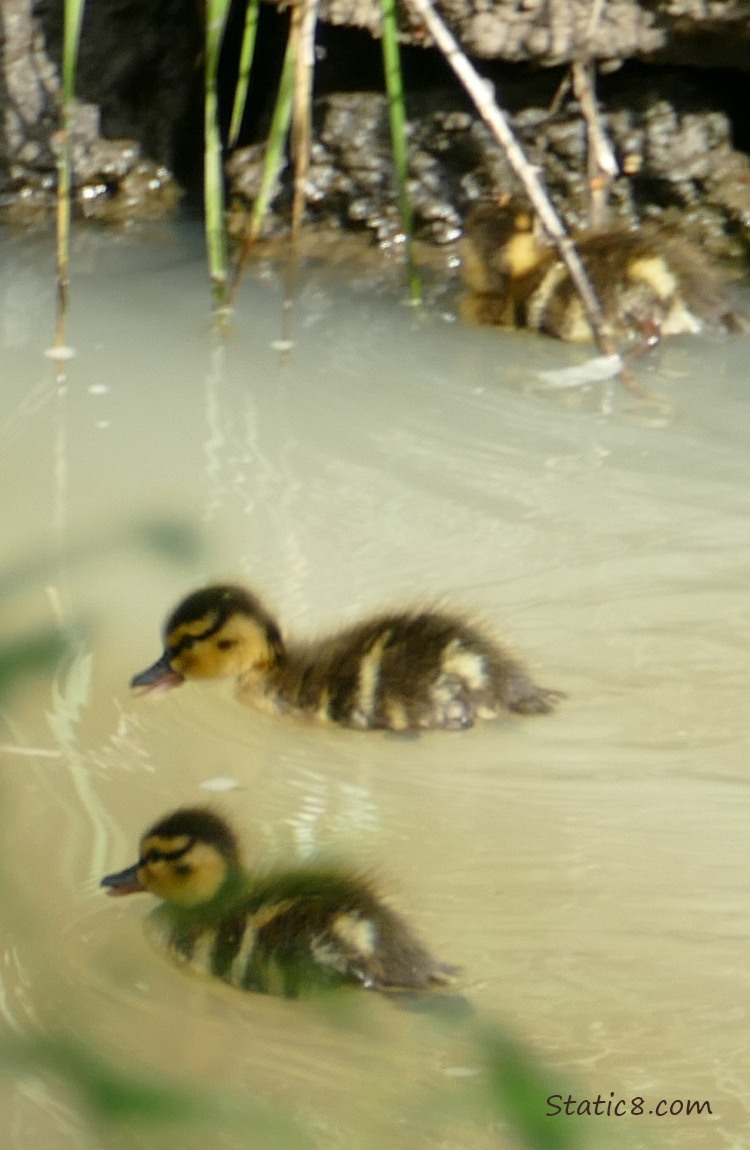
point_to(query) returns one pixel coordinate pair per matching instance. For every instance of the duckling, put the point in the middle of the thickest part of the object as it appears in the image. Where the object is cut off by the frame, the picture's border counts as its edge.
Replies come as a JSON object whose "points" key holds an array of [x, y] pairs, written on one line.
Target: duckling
{"points": [[399, 672], [278, 933], [648, 283]]}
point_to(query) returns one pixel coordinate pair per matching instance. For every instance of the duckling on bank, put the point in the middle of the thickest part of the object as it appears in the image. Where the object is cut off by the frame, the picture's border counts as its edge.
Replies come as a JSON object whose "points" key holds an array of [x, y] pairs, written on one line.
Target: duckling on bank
{"points": [[400, 672], [283, 932], [648, 283]]}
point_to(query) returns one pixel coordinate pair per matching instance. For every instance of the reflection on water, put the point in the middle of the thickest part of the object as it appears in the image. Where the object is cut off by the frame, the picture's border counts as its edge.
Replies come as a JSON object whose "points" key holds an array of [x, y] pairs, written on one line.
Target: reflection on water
{"points": [[587, 869]]}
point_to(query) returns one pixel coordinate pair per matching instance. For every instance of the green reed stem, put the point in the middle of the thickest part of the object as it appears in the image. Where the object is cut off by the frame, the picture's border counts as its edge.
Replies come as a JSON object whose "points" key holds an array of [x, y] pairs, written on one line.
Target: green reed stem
{"points": [[395, 89], [275, 146], [277, 136], [243, 77], [213, 168], [73, 17]]}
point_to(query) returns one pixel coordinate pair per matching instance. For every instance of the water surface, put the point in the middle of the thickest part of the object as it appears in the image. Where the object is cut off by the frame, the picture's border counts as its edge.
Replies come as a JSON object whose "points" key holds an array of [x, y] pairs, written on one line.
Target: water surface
{"points": [[588, 870]]}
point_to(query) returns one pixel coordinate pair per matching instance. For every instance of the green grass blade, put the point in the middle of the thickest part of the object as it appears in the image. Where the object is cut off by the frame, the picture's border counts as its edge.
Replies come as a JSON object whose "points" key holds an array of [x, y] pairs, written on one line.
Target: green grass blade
{"points": [[277, 137], [113, 1098], [34, 653], [520, 1089], [213, 167], [247, 52], [275, 146], [395, 89], [71, 40]]}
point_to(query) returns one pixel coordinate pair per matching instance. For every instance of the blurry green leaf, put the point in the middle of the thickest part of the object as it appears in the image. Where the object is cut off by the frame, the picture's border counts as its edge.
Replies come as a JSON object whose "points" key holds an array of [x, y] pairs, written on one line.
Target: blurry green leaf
{"points": [[519, 1089], [30, 655], [114, 1096], [243, 77], [168, 539]]}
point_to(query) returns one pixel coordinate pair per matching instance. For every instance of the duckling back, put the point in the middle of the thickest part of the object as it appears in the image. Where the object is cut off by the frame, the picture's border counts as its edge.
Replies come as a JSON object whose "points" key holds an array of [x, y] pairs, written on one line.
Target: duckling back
{"points": [[409, 672], [646, 282], [298, 931]]}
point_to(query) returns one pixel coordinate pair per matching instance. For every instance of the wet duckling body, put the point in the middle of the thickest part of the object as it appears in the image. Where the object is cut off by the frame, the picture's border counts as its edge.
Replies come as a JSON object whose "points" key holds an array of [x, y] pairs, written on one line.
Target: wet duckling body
{"points": [[648, 283], [278, 933], [398, 672]]}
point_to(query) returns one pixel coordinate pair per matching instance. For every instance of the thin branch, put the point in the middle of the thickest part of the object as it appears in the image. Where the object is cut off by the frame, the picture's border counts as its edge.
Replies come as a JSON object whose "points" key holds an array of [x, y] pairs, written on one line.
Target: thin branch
{"points": [[601, 162], [482, 94], [302, 36], [304, 20], [394, 84]]}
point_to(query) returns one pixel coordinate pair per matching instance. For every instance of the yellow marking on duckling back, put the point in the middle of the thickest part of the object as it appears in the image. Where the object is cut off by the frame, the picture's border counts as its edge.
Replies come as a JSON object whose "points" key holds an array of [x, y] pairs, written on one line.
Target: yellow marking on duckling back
{"points": [[355, 932], [323, 712], [202, 954], [575, 327], [656, 273], [266, 914], [395, 712], [680, 320], [468, 665], [540, 298], [237, 970], [369, 675]]}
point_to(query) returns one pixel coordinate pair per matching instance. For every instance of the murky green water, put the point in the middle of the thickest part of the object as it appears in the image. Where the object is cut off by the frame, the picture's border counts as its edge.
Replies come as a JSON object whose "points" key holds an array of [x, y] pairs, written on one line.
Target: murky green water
{"points": [[588, 870]]}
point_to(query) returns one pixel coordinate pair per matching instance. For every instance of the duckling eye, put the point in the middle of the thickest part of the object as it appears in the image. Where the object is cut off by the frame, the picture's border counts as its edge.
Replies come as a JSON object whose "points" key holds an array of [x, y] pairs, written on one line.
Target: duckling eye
{"points": [[182, 869], [226, 644]]}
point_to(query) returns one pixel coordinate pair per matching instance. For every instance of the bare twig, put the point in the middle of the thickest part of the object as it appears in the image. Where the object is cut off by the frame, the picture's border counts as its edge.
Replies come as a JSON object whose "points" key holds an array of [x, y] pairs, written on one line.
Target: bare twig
{"points": [[482, 94], [302, 36], [597, 7], [602, 165], [304, 19]]}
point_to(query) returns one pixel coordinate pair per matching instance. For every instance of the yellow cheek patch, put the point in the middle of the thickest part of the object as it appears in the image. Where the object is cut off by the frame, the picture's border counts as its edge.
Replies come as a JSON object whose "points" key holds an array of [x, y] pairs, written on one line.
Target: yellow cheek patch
{"points": [[169, 879]]}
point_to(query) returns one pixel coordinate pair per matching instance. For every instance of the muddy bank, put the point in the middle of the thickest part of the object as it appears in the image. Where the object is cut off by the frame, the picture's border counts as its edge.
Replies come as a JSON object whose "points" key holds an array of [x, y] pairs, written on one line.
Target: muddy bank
{"points": [[677, 131], [676, 167]]}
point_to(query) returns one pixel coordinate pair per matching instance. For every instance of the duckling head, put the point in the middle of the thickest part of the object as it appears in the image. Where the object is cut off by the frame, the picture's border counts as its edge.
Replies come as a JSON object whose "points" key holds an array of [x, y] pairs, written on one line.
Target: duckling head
{"points": [[499, 245], [186, 859], [218, 632]]}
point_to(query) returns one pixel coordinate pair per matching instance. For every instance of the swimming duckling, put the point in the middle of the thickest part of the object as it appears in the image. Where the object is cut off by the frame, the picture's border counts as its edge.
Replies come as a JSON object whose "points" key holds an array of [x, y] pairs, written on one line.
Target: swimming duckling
{"points": [[398, 672], [277, 933], [648, 283]]}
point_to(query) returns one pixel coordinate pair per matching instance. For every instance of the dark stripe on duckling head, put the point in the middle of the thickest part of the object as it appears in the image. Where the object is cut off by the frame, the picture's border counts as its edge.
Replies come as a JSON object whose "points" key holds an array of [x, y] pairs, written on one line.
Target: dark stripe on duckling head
{"points": [[197, 824], [205, 612], [155, 854]]}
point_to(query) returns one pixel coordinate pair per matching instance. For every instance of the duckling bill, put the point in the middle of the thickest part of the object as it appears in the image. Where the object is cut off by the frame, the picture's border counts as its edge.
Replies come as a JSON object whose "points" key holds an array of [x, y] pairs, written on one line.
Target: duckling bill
{"points": [[279, 933], [399, 672], [648, 283]]}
